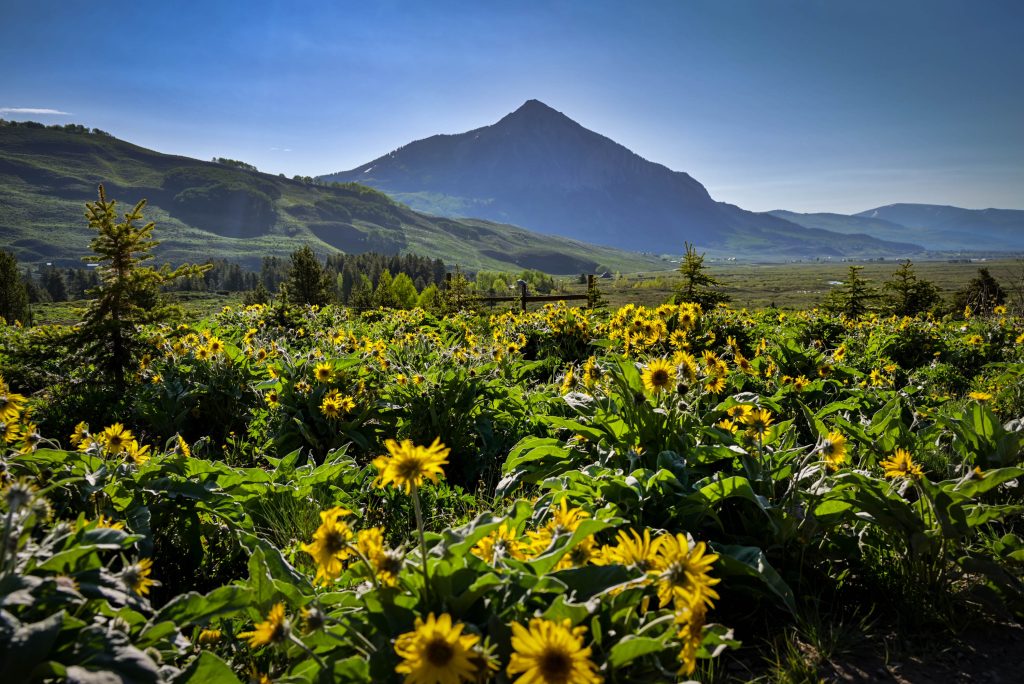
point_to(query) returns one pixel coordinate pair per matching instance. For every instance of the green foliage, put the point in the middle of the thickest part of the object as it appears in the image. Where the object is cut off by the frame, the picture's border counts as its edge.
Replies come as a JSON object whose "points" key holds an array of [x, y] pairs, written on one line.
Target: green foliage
{"points": [[982, 294], [539, 410]]}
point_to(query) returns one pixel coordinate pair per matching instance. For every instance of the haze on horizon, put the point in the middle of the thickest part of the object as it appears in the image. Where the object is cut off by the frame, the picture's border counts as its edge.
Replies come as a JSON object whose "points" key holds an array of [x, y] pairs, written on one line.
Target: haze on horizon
{"points": [[807, 106]]}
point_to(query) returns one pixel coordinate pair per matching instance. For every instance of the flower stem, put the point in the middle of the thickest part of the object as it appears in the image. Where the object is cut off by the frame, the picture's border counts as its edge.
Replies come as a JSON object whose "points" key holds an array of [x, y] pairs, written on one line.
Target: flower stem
{"points": [[423, 543]]}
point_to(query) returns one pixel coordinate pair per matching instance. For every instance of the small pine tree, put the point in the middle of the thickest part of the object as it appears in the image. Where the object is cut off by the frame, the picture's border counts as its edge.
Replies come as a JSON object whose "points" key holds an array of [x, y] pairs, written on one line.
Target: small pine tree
{"points": [[457, 295], [13, 295], [910, 295], [128, 294], [308, 282], [698, 285], [854, 298], [258, 295]]}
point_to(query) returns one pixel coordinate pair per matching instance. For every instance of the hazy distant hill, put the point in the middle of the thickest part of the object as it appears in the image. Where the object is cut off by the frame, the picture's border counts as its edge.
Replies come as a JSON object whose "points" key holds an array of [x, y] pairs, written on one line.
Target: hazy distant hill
{"points": [[956, 228], [538, 168], [934, 227], [205, 209]]}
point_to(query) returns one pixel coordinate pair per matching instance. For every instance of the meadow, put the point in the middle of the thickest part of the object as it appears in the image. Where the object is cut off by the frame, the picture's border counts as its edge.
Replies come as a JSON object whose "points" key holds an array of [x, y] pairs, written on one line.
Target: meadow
{"points": [[310, 494]]}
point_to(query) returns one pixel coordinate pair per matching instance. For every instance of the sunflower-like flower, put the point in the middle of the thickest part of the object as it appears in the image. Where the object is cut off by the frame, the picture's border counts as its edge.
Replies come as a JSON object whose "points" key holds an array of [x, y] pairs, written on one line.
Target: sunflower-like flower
{"points": [[10, 404], [274, 630], [551, 653], [833, 450], [690, 620], [409, 465], [181, 447], [330, 546], [758, 421], [634, 550], [137, 576], [115, 439], [323, 372], [81, 434], [564, 520], [436, 652], [209, 636], [215, 345], [684, 573], [658, 376], [138, 454], [501, 543], [386, 563], [30, 438], [901, 465], [273, 398]]}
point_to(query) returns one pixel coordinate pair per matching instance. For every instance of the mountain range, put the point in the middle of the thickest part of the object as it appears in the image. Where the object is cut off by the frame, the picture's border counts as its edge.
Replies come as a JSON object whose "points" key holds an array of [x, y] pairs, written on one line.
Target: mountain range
{"points": [[563, 186], [538, 168], [210, 210], [939, 228]]}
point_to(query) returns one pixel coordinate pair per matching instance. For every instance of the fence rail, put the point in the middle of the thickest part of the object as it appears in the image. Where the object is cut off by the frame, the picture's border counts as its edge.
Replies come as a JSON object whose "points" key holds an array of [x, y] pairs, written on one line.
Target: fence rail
{"points": [[524, 298]]}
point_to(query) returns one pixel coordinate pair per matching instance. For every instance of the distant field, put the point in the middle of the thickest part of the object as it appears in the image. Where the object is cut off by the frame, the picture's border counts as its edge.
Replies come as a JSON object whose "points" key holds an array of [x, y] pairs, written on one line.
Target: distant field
{"points": [[799, 285], [754, 286]]}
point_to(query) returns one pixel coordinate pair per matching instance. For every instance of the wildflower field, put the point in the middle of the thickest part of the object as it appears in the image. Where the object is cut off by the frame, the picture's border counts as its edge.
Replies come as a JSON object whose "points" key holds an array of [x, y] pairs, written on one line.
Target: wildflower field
{"points": [[562, 496]]}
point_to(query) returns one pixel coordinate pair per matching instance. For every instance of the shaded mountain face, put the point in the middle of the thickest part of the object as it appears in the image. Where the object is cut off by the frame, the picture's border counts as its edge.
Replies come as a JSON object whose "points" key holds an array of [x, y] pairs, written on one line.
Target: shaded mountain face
{"points": [[208, 210], [540, 169]]}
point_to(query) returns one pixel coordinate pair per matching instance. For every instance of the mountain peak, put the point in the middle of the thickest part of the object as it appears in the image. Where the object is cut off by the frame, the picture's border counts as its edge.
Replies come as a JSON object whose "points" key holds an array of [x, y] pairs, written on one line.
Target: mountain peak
{"points": [[533, 110]]}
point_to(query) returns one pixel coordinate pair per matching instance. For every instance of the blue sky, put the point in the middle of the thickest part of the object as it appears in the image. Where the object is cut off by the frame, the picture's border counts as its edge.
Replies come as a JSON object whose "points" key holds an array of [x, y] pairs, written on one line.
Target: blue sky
{"points": [[819, 105]]}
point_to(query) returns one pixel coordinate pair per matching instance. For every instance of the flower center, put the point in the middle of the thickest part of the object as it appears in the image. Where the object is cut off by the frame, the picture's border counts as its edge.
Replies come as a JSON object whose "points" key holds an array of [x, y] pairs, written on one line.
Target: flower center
{"points": [[439, 652], [555, 666], [659, 378], [334, 542], [410, 468]]}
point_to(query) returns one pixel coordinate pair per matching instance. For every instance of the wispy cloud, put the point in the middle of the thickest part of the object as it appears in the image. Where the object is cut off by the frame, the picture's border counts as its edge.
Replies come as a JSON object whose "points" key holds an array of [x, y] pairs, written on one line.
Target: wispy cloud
{"points": [[32, 110], [280, 149]]}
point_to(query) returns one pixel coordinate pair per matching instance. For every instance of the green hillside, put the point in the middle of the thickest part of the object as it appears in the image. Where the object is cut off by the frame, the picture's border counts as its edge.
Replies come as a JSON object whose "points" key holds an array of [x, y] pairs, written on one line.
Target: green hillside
{"points": [[214, 210]]}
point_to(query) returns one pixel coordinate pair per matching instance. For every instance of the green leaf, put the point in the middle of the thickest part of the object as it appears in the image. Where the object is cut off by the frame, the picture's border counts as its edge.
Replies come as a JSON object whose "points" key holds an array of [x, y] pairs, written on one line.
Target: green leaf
{"points": [[750, 561], [208, 668], [29, 646], [632, 647], [195, 609]]}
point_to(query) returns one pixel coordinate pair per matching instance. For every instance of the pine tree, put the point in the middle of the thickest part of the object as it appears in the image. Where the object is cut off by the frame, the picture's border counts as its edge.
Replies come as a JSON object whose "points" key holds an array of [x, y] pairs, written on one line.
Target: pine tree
{"points": [[698, 285], [910, 295], [854, 298], [13, 295], [53, 283], [128, 295], [308, 282]]}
